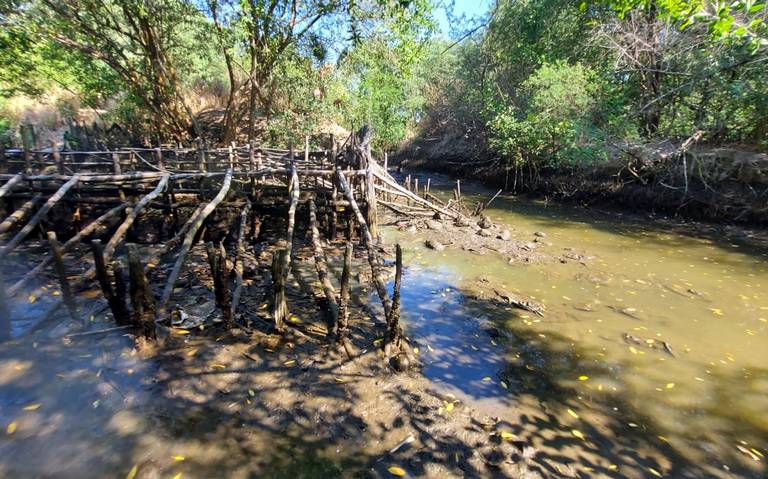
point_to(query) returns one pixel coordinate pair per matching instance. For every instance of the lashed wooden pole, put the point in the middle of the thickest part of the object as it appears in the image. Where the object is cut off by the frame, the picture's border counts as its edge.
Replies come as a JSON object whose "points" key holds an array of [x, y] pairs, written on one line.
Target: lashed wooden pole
{"points": [[240, 253], [30, 226], [378, 280], [71, 242], [19, 214], [321, 265], [189, 239]]}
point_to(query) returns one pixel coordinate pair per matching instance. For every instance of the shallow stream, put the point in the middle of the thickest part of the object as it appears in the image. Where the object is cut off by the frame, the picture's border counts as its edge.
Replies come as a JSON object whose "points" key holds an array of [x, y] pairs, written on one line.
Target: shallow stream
{"points": [[654, 347]]}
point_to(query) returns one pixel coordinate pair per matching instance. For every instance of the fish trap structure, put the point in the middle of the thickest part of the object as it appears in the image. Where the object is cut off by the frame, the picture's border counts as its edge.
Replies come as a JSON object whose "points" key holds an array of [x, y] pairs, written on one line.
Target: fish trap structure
{"points": [[128, 219]]}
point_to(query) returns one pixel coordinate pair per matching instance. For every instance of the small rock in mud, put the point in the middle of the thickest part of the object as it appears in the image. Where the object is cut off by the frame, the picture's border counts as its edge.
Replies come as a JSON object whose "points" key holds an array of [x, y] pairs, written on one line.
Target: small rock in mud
{"points": [[540, 234], [461, 222], [484, 232], [505, 235], [434, 225], [434, 244], [485, 222]]}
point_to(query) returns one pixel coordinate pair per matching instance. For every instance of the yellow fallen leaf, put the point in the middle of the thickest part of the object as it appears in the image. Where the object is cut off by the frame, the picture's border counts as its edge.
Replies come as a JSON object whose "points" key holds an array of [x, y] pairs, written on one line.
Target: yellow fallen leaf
{"points": [[290, 362], [218, 366], [178, 457], [487, 379], [32, 407], [177, 476], [31, 298], [633, 350], [573, 413], [180, 332], [670, 385], [507, 436], [504, 385], [449, 407], [429, 348], [11, 428], [339, 380], [396, 471], [415, 350], [578, 434], [654, 472], [132, 473], [192, 352], [583, 378]]}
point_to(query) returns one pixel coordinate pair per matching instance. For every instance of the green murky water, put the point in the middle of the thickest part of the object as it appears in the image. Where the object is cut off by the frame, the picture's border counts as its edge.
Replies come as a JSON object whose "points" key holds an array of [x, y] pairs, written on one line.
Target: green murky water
{"points": [[661, 336]]}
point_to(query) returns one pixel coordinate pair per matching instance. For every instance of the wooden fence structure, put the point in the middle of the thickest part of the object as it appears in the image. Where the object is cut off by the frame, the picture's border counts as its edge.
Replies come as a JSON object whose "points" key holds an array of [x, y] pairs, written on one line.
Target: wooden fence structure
{"points": [[340, 187]]}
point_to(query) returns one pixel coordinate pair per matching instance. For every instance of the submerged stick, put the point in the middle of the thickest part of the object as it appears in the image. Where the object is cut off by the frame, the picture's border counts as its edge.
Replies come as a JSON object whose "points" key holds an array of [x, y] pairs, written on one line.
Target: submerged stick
{"points": [[189, 239]]}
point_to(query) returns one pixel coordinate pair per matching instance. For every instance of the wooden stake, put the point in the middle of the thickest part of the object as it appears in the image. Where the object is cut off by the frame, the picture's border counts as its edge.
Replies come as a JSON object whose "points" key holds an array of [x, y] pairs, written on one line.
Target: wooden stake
{"points": [[321, 265], [217, 260], [342, 327], [61, 272], [393, 321], [279, 304], [142, 301], [119, 311], [240, 253]]}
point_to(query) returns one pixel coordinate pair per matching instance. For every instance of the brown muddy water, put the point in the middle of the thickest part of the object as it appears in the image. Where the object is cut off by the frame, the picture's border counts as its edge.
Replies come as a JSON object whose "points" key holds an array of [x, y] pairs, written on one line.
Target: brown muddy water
{"points": [[652, 356]]}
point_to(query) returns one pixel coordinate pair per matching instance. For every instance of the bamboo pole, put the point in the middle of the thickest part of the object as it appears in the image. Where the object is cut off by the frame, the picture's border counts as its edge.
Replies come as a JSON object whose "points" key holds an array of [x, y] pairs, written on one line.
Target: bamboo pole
{"points": [[189, 239], [38, 217]]}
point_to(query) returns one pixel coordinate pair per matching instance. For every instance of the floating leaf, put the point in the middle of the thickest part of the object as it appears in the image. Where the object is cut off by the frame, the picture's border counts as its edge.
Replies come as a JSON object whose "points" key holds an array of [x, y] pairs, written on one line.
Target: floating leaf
{"points": [[178, 457], [504, 385], [578, 434], [487, 379], [11, 428], [132, 473], [396, 471], [32, 407], [429, 348], [31, 298]]}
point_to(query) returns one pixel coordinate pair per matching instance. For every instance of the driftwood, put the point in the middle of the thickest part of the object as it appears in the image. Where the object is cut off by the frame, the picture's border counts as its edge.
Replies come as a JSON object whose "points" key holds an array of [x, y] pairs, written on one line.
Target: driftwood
{"points": [[30, 226], [19, 214], [189, 239], [321, 264]]}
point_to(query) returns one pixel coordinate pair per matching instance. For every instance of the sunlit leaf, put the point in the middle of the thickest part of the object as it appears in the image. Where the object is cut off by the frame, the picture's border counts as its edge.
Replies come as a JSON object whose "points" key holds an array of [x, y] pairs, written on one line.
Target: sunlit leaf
{"points": [[218, 366], [177, 476], [11, 428], [654, 472], [132, 473], [251, 393], [178, 457], [192, 352], [573, 413], [583, 378], [449, 407], [180, 332], [578, 434], [32, 407], [396, 471], [507, 436], [290, 362], [670, 385], [487, 379]]}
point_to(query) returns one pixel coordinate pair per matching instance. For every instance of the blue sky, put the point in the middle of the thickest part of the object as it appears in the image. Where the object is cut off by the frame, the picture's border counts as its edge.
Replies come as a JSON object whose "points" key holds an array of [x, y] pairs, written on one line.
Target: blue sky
{"points": [[470, 9]]}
